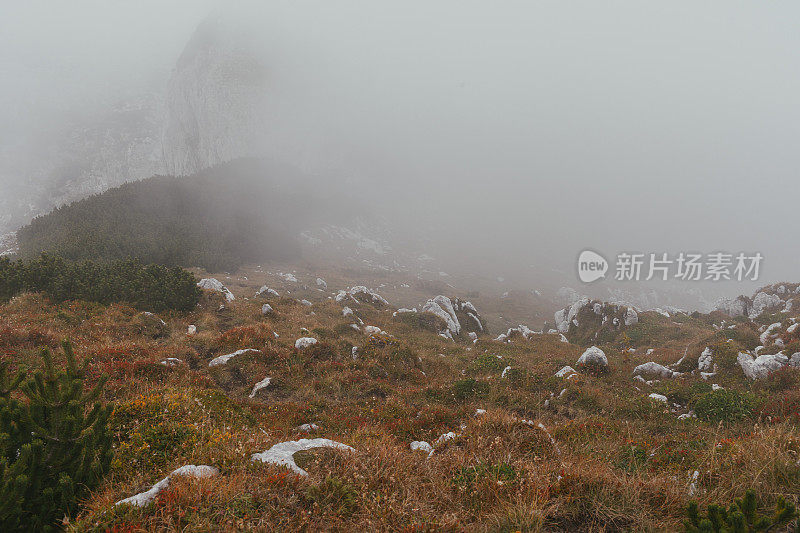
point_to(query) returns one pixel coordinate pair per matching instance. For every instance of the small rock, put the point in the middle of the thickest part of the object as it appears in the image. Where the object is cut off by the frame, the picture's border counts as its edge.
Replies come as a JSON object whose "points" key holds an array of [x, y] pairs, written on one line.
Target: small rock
{"points": [[593, 355], [304, 342], [422, 446]]}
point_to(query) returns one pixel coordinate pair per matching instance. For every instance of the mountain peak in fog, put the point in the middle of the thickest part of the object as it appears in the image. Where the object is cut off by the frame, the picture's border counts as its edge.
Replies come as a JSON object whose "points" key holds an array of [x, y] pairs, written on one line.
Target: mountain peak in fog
{"points": [[212, 101]]}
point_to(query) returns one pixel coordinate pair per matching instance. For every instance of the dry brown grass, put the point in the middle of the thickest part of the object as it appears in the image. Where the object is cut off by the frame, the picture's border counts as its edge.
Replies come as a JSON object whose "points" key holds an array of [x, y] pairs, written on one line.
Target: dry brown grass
{"points": [[620, 461]]}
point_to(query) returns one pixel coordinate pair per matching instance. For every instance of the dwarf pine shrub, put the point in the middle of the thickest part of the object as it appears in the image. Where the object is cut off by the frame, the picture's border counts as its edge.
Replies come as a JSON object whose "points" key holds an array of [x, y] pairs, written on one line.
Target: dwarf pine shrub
{"points": [[147, 287], [55, 447], [724, 405], [740, 517]]}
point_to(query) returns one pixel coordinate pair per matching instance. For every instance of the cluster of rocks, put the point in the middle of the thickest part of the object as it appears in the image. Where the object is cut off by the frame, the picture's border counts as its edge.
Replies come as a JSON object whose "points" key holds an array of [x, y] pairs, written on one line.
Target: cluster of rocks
{"points": [[458, 315], [360, 294], [596, 314], [266, 292], [773, 298]]}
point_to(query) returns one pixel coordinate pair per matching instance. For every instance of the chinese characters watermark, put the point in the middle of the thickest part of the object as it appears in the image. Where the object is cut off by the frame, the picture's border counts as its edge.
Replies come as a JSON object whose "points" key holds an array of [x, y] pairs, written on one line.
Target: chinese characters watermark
{"points": [[684, 266]]}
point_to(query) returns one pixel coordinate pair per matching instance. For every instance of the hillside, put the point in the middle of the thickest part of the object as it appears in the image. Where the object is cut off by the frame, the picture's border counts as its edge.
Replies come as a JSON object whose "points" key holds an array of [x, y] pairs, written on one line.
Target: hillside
{"points": [[245, 210], [512, 430]]}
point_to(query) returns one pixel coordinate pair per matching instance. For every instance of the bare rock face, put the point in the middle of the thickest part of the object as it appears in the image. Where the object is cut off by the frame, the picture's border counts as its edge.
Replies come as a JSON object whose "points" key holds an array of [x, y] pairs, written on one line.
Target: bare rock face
{"points": [[763, 302], [213, 101], [209, 114], [81, 157], [732, 306]]}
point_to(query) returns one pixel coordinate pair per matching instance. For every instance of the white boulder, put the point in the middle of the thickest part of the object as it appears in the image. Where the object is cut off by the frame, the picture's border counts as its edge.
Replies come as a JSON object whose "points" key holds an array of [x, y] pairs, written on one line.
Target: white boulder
{"points": [[593, 355], [264, 383], [566, 372], [761, 366], [442, 307], [222, 359], [767, 333], [213, 284], [631, 317], [144, 498], [282, 454], [653, 369], [265, 291], [304, 342], [422, 446], [706, 361]]}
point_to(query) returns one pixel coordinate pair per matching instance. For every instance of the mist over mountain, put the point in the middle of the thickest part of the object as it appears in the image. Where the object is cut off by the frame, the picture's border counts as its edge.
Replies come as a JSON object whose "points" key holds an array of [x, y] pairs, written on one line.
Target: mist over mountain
{"points": [[313, 265], [491, 139]]}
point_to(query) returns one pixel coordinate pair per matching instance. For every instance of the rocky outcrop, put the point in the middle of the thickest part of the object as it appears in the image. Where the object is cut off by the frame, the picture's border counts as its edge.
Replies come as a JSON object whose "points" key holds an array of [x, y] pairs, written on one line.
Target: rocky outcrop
{"points": [[361, 294], [566, 316], [631, 317], [214, 101], [442, 307], [763, 302], [458, 315], [733, 306], [593, 321], [769, 299], [760, 367]]}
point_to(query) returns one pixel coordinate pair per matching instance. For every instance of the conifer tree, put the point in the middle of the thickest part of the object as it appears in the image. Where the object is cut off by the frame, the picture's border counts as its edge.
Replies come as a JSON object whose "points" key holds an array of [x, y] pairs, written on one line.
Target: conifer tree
{"points": [[16, 457], [57, 445]]}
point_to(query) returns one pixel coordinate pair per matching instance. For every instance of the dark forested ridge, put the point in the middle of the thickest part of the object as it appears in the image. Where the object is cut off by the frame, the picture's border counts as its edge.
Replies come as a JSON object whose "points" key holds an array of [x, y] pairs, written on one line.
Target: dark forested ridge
{"points": [[246, 210]]}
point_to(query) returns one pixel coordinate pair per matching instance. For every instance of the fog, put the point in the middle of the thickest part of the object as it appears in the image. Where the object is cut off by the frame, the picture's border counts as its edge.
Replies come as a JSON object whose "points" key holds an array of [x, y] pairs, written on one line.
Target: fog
{"points": [[506, 137]]}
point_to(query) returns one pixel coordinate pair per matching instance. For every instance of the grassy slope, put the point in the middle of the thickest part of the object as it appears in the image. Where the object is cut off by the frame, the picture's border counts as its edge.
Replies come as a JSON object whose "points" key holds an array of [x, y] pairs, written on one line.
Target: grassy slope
{"points": [[619, 461]]}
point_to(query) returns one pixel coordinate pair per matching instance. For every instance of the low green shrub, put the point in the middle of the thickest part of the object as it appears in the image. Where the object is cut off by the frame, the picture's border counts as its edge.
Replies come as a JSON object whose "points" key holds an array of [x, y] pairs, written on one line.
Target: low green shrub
{"points": [[147, 287], [486, 363], [424, 321], [726, 353], [334, 493], [740, 516], [724, 405], [467, 389]]}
